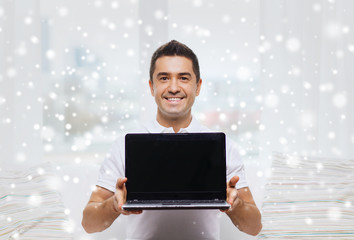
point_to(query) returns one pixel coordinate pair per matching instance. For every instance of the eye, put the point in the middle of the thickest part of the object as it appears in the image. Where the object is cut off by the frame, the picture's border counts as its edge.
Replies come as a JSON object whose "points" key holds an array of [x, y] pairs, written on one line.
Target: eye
{"points": [[164, 78], [184, 78]]}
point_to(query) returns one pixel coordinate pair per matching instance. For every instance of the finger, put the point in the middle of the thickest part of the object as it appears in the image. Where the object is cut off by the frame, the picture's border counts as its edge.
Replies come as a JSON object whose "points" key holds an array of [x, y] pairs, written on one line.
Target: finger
{"points": [[131, 212], [233, 181], [117, 203], [120, 203], [120, 199], [232, 197], [125, 213], [121, 182], [136, 212]]}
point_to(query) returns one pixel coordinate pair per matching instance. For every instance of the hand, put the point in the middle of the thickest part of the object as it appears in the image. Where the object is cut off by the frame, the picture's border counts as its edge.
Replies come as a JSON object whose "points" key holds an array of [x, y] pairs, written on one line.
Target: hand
{"points": [[120, 197], [231, 192]]}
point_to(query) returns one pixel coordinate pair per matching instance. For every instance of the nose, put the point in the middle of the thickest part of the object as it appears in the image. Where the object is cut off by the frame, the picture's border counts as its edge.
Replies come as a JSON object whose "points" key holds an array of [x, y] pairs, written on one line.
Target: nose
{"points": [[173, 86]]}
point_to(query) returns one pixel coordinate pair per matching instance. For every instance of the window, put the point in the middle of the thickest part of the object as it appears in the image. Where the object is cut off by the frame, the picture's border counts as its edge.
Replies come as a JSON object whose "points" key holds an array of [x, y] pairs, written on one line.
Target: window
{"points": [[95, 68]]}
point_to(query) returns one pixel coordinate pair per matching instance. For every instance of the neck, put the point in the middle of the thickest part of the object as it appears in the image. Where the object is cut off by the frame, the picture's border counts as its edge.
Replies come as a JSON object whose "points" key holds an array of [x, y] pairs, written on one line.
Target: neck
{"points": [[176, 123]]}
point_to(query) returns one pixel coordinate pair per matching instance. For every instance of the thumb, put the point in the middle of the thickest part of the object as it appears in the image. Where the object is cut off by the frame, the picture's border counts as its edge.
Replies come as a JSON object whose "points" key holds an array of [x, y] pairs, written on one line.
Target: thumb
{"points": [[121, 182], [233, 181]]}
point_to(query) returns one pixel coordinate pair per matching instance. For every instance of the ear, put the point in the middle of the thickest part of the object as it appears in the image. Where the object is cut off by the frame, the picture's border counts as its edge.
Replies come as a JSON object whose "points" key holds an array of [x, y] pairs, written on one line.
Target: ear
{"points": [[199, 85], [151, 88]]}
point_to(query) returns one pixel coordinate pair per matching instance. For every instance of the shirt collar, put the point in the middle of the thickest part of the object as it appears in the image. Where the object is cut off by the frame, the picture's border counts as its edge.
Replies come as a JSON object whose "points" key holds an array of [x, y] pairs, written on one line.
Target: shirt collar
{"points": [[153, 126]]}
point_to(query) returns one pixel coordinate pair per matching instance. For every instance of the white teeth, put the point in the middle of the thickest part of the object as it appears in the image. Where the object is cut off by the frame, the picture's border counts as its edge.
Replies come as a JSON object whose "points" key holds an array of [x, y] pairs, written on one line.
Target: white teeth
{"points": [[174, 99]]}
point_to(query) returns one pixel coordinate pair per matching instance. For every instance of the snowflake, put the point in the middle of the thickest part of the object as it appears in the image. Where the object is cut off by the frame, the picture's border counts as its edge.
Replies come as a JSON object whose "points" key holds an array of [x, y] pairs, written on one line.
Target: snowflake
{"points": [[11, 72], [48, 147], [308, 221], [50, 54], [316, 7], [114, 5], [98, 3], [307, 119], [307, 85], [130, 52], [243, 73], [226, 18], [333, 30], [66, 178], [351, 48], [339, 100], [62, 11], [2, 100], [279, 38], [76, 180], [35, 200], [264, 47], [149, 30], [21, 50], [293, 162], [331, 135], [334, 214], [28, 20], [69, 226], [159, 14], [203, 32], [111, 26], [339, 54], [197, 3], [67, 211], [129, 23], [271, 100], [326, 87], [293, 44], [20, 157], [283, 141]]}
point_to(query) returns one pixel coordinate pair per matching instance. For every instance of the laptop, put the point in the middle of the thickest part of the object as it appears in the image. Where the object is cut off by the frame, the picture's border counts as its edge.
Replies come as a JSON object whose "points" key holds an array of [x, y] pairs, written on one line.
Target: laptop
{"points": [[175, 171]]}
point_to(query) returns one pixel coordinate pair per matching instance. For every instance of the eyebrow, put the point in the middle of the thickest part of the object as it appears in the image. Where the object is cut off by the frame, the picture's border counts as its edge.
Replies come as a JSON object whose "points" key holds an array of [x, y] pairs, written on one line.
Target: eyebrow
{"points": [[180, 74], [162, 74], [185, 73]]}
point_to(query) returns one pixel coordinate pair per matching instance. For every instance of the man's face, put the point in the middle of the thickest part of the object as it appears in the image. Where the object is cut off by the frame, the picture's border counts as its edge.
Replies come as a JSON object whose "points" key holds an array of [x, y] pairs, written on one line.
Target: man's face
{"points": [[174, 86]]}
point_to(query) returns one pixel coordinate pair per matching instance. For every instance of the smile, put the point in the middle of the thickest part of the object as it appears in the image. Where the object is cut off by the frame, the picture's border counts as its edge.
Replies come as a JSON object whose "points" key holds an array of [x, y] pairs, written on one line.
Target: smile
{"points": [[174, 99]]}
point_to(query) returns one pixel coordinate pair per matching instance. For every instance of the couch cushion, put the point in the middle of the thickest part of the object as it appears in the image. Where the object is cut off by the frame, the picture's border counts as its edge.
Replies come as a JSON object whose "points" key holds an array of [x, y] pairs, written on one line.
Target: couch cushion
{"points": [[309, 198]]}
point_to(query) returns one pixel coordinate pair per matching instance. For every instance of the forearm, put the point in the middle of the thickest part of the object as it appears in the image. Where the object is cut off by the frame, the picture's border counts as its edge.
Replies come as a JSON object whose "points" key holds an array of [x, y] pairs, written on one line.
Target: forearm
{"points": [[98, 216], [246, 217]]}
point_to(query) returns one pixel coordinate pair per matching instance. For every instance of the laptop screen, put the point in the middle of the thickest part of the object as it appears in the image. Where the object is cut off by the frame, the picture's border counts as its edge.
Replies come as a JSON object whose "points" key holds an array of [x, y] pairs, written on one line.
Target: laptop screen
{"points": [[175, 166]]}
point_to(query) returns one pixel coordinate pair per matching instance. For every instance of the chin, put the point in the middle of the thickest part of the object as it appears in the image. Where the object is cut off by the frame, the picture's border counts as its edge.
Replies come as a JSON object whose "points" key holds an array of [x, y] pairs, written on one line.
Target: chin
{"points": [[175, 115]]}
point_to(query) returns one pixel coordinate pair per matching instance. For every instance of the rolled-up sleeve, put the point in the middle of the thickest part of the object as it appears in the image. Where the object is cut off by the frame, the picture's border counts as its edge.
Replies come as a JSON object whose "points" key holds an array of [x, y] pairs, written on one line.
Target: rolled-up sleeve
{"points": [[112, 167], [234, 164]]}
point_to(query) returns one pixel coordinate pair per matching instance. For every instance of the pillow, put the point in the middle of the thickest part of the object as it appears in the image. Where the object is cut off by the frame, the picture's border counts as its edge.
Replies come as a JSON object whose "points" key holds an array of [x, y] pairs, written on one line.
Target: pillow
{"points": [[30, 206], [309, 198]]}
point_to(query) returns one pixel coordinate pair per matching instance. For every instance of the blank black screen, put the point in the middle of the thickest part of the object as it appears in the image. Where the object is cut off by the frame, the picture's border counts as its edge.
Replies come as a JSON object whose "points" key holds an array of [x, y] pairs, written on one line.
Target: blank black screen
{"points": [[175, 163]]}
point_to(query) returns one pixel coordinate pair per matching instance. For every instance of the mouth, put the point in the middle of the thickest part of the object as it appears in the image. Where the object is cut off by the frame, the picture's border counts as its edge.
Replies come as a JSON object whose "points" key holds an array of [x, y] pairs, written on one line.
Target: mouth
{"points": [[174, 99]]}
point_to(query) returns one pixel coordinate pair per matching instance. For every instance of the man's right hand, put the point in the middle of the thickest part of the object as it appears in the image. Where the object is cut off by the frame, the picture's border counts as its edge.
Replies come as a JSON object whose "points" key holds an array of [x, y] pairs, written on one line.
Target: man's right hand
{"points": [[120, 197], [104, 207]]}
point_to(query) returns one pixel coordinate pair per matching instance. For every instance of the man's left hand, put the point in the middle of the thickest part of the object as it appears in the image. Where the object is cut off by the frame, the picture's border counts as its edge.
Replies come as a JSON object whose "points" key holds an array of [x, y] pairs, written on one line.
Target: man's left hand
{"points": [[231, 192]]}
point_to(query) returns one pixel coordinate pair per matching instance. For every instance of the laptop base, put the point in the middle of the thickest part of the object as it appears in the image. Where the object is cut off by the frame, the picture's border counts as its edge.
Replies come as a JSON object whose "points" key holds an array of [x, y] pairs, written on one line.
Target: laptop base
{"points": [[171, 206]]}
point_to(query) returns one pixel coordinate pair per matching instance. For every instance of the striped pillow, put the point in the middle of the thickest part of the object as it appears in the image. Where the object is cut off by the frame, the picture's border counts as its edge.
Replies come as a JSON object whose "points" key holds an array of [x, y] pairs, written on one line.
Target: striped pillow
{"points": [[309, 198], [30, 206]]}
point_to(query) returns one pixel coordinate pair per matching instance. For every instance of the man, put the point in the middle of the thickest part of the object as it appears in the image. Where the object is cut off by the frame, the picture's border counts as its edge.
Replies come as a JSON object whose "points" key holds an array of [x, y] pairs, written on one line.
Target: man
{"points": [[174, 83]]}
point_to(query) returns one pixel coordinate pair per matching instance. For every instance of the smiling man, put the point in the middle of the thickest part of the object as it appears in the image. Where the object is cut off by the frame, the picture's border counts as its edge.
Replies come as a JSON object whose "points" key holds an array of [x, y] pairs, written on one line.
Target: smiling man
{"points": [[174, 86], [174, 83]]}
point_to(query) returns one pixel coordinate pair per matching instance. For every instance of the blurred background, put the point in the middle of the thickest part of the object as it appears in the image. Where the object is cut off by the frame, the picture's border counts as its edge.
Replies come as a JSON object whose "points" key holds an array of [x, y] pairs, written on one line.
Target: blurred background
{"points": [[277, 75]]}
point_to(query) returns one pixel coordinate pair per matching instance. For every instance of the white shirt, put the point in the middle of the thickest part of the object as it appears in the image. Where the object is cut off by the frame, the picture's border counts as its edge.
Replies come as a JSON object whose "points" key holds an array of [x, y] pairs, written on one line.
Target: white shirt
{"points": [[169, 224]]}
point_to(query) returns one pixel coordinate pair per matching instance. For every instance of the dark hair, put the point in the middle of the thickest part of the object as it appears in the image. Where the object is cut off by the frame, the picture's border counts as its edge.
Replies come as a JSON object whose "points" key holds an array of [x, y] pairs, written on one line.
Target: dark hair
{"points": [[175, 48]]}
